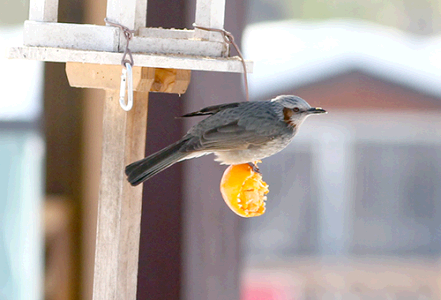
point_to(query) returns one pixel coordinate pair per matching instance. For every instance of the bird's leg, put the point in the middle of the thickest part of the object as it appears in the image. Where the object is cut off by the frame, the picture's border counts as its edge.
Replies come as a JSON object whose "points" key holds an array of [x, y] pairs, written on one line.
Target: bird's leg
{"points": [[254, 166]]}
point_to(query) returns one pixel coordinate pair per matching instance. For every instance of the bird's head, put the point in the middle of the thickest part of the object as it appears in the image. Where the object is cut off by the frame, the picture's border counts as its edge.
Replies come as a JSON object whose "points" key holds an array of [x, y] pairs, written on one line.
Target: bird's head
{"points": [[295, 109]]}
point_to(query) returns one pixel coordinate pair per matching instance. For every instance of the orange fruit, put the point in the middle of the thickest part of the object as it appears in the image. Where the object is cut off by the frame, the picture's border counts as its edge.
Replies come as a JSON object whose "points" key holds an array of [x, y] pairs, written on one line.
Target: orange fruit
{"points": [[244, 190]]}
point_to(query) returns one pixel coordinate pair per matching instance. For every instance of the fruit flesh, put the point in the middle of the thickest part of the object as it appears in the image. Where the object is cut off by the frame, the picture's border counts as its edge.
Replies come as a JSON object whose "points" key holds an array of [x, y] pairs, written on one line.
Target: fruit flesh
{"points": [[244, 190]]}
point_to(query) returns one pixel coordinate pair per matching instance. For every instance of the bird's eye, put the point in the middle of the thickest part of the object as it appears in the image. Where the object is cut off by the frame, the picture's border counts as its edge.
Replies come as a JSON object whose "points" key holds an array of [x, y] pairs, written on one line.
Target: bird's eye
{"points": [[296, 109]]}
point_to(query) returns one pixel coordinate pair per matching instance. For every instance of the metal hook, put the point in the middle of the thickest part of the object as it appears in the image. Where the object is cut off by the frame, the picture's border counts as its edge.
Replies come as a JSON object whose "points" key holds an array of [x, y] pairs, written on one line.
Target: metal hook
{"points": [[126, 76]]}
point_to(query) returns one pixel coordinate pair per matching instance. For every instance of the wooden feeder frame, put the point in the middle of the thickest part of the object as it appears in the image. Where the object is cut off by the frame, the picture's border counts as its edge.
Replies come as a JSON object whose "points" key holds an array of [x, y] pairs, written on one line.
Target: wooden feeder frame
{"points": [[45, 39], [163, 60]]}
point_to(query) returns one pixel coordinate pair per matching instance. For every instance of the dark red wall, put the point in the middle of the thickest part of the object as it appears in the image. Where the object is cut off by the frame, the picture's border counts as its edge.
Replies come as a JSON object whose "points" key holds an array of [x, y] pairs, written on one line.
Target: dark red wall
{"points": [[161, 231], [171, 266]]}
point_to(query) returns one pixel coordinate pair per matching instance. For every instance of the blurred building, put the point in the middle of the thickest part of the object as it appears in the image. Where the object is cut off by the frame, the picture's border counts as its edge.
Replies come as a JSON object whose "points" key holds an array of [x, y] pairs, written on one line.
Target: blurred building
{"points": [[355, 196]]}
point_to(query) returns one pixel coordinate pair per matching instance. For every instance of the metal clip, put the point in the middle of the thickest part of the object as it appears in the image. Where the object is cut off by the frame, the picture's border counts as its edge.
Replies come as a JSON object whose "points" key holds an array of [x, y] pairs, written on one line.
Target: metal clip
{"points": [[126, 76]]}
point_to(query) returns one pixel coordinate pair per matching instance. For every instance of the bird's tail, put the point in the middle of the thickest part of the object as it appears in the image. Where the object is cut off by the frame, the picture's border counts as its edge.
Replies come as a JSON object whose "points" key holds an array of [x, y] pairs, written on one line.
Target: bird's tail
{"points": [[148, 167]]}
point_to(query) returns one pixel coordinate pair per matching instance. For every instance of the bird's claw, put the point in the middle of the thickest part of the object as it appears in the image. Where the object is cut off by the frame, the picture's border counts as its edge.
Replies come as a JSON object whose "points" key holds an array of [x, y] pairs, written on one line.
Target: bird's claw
{"points": [[254, 167]]}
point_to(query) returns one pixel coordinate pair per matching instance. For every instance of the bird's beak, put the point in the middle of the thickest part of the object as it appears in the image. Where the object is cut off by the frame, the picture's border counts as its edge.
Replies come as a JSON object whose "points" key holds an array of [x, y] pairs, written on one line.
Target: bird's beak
{"points": [[316, 110]]}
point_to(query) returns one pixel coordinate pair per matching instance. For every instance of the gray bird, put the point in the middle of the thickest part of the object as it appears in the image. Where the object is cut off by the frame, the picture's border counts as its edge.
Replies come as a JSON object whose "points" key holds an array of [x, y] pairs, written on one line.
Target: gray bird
{"points": [[237, 133]]}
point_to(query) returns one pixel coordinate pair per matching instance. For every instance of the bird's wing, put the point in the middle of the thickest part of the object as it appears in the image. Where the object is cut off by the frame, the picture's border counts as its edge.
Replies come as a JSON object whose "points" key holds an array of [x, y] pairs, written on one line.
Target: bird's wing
{"points": [[236, 128], [211, 110], [234, 136]]}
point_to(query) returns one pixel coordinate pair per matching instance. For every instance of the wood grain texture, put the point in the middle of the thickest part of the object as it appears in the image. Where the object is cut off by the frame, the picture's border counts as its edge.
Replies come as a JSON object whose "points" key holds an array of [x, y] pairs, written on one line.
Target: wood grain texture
{"points": [[107, 77], [171, 81], [119, 207], [144, 79]]}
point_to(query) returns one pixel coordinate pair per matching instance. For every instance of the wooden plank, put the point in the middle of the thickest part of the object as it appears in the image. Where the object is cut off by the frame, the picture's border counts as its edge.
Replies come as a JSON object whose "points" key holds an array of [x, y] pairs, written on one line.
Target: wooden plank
{"points": [[230, 64], [144, 79], [43, 10], [119, 207], [210, 13], [107, 38], [71, 36]]}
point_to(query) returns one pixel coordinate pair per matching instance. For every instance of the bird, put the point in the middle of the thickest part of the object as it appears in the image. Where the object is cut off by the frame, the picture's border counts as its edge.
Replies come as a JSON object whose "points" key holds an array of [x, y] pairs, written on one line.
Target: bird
{"points": [[237, 133]]}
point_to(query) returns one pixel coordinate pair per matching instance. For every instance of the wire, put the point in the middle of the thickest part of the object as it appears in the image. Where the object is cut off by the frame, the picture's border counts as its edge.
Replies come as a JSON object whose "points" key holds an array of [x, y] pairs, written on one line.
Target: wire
{"points": [[229, 39]]}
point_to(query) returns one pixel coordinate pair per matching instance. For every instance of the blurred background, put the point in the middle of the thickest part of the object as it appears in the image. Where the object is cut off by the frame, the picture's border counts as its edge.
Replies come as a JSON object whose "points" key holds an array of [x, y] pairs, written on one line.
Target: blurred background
{"points": [[354, 205]]}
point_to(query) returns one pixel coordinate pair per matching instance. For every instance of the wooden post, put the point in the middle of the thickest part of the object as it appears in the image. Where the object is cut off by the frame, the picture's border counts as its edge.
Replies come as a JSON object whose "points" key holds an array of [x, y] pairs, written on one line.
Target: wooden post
{"points": [[119, 206], [210, 13], [130, 13], [43, 10]]}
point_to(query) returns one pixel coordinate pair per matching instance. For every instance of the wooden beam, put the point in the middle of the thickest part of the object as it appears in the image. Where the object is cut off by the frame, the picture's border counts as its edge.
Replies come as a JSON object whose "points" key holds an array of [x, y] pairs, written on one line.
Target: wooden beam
{"points": [[119, 206], [108, 77], [230, 64], [43, 10]]}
